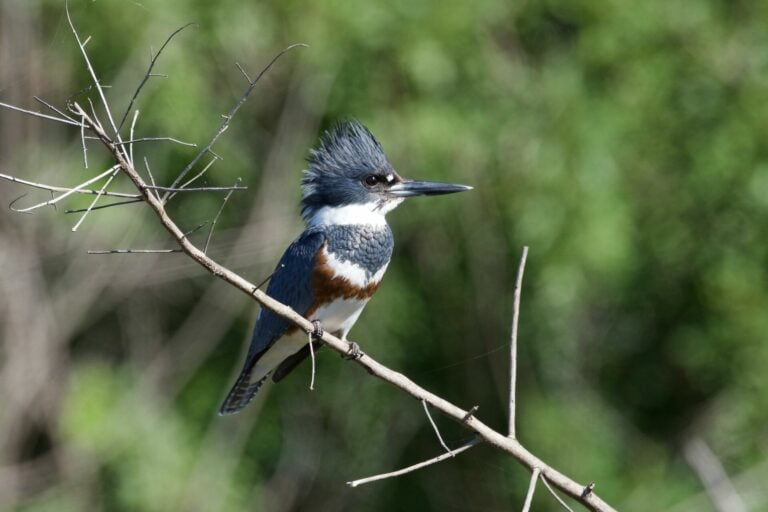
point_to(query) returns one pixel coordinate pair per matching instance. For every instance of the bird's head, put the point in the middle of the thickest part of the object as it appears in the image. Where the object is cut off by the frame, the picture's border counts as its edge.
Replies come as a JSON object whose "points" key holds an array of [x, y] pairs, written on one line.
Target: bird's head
{"points": [[350, 180]]}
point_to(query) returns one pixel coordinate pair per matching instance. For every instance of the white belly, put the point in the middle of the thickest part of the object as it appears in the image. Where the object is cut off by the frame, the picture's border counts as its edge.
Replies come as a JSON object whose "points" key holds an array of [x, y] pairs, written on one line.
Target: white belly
{"points": [[337, 318]]}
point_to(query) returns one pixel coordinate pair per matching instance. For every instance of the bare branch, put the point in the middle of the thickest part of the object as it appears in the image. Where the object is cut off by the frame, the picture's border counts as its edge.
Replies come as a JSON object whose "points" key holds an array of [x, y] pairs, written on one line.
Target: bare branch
{"points": [[52, 188], [147, 251], [136, 251], [197, 189], [513, 343], [85, 148], [198, 175], [243, 72], [157, 139], [62, 114], [149, 73], [69, 192], [151, 177], [130, 136], [228, 118], [312, 357], [110, 205], [96, 199], [39, 114], [554, 493], [721, 491], [415, 467], [95, 79], [434, 427], [531, 489], [216, 218]]}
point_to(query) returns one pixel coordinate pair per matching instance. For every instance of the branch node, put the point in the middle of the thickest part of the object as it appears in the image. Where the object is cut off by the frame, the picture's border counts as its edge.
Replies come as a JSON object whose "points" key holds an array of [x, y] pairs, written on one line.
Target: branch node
{"points": [[470, 414]]}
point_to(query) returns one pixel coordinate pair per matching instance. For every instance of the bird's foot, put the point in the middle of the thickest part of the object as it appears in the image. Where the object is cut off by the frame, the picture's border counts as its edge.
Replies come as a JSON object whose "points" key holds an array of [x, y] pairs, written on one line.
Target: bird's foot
{"points": [[317, 331], [354, 351]]}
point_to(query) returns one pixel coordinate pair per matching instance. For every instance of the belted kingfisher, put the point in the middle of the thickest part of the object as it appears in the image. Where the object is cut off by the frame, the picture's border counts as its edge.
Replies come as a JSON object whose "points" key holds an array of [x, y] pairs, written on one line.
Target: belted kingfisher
{"points": [[331, 271]]}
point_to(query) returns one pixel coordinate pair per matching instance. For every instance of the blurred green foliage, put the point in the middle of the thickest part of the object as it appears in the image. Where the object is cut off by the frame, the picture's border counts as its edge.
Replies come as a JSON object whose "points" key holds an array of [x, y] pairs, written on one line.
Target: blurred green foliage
{"points": [[624, 142]]}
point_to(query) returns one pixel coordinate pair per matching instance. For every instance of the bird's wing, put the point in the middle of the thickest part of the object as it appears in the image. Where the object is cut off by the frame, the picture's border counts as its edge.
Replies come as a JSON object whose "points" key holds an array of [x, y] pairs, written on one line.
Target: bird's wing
{"points": [[290, 284]]}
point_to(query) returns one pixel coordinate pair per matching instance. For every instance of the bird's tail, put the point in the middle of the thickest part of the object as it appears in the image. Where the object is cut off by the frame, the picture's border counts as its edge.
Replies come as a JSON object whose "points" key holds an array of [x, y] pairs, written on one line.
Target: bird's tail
{"points": [[241, 394]]}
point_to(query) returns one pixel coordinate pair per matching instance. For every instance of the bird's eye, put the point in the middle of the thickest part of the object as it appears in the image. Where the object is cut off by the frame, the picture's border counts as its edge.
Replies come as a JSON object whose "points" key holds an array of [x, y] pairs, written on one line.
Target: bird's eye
{"points": [[371, 180]]}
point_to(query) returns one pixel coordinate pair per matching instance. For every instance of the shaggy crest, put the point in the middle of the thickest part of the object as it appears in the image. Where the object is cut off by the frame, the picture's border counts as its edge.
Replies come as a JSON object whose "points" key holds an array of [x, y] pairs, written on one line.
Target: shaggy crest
{"points": [[348, 150]]}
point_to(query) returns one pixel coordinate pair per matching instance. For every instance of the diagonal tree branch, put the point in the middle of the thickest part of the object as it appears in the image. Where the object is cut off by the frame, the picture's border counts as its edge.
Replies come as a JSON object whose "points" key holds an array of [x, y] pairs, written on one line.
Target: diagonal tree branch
{"points": [[466, 418]]}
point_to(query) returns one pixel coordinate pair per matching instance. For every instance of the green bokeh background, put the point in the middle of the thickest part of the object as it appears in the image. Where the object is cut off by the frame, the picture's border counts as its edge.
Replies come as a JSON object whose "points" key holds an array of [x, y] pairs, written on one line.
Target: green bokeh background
{"points": [[624, 142]]}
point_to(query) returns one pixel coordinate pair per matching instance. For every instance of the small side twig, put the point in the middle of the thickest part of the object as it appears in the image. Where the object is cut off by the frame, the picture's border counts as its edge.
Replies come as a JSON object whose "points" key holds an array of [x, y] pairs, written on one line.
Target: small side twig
{"points": [[227, 119], [554, 494], [135, 251], [216, 220], [513, 344], [531, 489], [53, 188], [197, 189], [415, 467], [103, 206], [312, 357], [434, 426], [151, 177], [69, 192], [156, 139], [148, 74], [58, 111], [40, 115], [96, 199]]}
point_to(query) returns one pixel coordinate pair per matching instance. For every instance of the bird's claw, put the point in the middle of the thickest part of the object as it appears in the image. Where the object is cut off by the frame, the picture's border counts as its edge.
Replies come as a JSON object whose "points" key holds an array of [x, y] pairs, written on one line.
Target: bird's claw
{"points": [[353, 352], [317, 329]]}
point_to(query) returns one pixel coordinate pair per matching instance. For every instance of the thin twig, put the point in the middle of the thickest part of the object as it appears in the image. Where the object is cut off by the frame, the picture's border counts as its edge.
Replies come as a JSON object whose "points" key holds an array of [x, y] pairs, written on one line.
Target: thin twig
{"points": [[136, 251], [85, 148], [96, 199], [434, 427], [719, 487], [52, 188], [218, 214], [147, 251], [513, 343], [69, 192], [196, 189], [130, 146], [157, 139], [415, 467], [531, 489], [243, 72], [39, 114], [282, 265], [227, 119], [151, 177], [195, 177], [149, 73], [312, 357], [95, 78], [554, 493], [62, 114], [110, 205]]}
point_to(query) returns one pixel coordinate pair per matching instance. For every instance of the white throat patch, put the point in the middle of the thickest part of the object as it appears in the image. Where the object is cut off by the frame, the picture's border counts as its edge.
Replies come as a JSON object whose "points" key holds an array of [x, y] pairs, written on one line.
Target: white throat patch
{"points": [[369, 213]]}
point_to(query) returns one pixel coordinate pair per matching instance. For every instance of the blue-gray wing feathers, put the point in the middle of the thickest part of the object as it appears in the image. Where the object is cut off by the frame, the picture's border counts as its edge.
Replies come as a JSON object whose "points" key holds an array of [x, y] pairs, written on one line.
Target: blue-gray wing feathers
{"points": [[290, 284]]}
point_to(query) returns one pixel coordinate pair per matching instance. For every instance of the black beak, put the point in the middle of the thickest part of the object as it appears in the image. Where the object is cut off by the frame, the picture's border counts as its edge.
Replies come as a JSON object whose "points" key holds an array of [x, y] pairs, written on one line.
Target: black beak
{"points": [[409, 188]]}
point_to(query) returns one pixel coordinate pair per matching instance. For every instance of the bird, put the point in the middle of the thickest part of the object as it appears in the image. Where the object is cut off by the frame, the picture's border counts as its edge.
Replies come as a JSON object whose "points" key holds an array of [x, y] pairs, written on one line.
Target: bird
{"points": [[330, 272]]}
